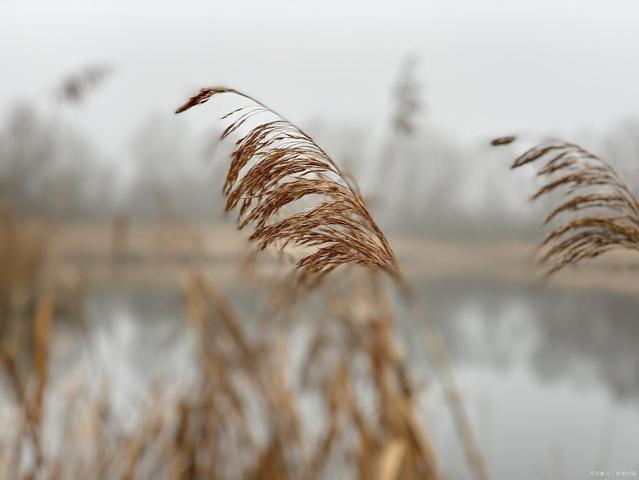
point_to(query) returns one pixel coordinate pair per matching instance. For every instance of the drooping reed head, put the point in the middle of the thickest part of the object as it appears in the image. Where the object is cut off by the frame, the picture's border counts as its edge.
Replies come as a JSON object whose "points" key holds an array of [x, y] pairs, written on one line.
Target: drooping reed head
{"points": [[602, 212], [274, 166]]}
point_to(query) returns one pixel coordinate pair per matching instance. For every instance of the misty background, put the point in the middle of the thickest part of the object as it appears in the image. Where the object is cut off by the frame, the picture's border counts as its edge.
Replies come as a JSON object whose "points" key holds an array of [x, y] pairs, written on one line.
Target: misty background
{"points": [[480, 70]]}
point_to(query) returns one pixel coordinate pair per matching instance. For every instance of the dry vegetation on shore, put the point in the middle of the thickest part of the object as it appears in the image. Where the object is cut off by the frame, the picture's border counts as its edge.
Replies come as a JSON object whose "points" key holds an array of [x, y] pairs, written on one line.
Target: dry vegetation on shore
{"points": [[243, 415]]}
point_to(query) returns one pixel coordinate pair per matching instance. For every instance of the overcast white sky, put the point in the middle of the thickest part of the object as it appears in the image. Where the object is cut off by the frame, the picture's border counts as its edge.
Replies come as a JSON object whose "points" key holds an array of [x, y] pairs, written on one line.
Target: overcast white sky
{"points": [[489, 67]]}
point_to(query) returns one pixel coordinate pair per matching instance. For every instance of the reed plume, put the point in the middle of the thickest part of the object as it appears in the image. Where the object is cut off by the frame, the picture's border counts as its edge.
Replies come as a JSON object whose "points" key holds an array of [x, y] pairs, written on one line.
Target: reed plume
{"points": [[603, 212], [507, 140], [275, 165]]}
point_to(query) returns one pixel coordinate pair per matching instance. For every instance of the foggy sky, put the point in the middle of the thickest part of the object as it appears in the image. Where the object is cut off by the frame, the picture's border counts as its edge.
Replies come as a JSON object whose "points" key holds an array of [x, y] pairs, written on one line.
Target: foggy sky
{"points": [[489, 68]]}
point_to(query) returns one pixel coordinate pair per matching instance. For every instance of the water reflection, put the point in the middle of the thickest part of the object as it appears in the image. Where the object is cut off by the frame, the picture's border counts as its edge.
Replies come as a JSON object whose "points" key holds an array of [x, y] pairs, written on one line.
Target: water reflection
{"points": [[576, 337], [580, 338]]}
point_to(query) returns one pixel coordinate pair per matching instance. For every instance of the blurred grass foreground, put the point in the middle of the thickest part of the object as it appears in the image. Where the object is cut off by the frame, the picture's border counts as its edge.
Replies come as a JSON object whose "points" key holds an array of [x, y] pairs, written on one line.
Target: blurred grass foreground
{"points": [[311, 384], [311, 392]]}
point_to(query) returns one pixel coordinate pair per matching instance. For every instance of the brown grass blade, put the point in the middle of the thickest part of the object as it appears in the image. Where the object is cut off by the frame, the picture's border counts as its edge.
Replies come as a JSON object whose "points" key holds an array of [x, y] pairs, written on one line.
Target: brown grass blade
{"points": [[606, 212], [507, 140], [391, 460], [44, 314], [9, 364], [276, 167]]}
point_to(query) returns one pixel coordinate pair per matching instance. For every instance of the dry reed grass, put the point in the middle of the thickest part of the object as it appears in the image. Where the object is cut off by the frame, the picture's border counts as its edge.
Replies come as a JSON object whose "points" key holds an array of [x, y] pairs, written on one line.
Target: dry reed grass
{"points": [[30, 396], [274, 166], [23, 247], [603, 213], [507, 140], [247, 396], [243, 415]]}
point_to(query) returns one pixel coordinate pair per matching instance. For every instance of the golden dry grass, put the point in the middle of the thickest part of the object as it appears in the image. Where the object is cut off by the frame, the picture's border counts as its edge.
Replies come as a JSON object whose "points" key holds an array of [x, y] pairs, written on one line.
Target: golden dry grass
{"points": [[276, 165], [602, 212], [23, 252], [242, 415]]}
